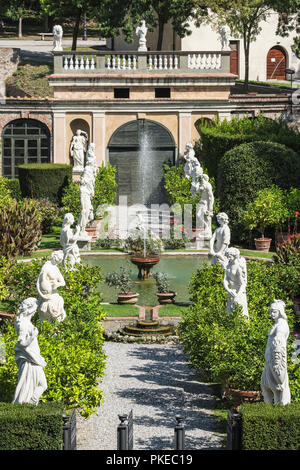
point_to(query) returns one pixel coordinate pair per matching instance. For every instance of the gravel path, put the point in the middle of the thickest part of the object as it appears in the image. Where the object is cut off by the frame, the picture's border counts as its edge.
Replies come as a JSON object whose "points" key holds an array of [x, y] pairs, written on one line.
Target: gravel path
{"points": [[156, 382]]}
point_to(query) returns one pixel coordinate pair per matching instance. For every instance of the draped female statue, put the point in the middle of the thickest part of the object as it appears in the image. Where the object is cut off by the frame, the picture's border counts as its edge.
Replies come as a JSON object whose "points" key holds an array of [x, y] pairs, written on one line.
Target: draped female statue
{"points": [[274, 379], [31, 379]]}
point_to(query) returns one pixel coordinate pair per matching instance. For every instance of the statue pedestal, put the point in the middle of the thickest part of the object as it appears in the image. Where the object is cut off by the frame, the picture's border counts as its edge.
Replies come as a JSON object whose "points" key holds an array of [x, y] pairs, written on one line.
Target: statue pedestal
{"points": [[76, 176], [84, 242]]}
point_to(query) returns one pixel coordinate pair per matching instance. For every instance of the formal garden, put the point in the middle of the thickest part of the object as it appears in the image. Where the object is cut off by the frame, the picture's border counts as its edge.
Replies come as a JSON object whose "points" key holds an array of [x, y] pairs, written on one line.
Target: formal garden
{"points": [[254, 171]]}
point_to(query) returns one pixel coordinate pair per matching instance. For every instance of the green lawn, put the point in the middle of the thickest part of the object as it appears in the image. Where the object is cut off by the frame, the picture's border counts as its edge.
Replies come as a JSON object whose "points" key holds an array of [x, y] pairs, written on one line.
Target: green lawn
{"points": [[116, 310], [30, 80], [171, 310]]}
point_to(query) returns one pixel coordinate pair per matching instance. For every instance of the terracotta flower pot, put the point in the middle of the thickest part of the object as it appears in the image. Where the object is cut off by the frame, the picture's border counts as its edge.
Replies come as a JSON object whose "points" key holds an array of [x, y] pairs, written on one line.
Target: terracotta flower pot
{"points": [[166, 297], [92, 233], [240, 396], [128, 298], [262, 244]]}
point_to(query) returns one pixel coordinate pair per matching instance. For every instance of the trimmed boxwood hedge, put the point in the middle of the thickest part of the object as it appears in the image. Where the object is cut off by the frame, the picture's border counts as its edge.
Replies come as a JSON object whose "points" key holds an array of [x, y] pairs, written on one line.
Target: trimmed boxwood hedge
{"points": [[270, 427], [44, 180], [248, 168], [218, 139], [30, 427]]}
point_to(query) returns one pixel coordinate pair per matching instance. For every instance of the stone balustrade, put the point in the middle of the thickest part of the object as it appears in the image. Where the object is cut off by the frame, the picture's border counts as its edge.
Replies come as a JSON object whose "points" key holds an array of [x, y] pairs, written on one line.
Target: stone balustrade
{"points": [[142, 62]]}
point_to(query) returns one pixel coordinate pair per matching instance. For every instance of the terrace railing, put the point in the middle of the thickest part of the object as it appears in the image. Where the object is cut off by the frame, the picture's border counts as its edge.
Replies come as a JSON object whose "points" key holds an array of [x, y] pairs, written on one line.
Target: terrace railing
{"points": [[108, 62]]}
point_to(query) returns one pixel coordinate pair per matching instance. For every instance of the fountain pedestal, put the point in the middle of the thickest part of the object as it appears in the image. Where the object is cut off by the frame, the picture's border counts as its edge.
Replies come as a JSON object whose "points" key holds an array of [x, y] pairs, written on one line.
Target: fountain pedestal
{"points": [[144, 265]]}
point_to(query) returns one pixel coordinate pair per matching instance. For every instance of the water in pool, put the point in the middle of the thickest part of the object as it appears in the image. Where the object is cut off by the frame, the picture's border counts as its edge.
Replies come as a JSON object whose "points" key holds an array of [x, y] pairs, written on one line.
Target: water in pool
{"points": [[179, 269]]}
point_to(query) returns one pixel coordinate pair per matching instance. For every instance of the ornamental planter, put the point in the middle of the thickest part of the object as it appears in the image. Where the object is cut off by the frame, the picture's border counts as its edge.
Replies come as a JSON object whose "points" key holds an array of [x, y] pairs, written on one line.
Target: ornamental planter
{"points": [[128, 298], [166, 297], [91, 231], [240, 396], [262, 244]]}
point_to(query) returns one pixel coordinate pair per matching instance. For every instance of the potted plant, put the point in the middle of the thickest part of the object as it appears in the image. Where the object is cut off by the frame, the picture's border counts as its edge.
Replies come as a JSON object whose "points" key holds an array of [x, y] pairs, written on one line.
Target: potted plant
{"points": [[121, 280], [289, 225], [268, 209], [164, 294], [145, 248]]}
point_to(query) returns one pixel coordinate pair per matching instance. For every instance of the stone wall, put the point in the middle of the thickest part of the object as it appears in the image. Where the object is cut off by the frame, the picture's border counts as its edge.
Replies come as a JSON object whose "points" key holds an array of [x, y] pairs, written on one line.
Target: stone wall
{"points": [[9, 60]]}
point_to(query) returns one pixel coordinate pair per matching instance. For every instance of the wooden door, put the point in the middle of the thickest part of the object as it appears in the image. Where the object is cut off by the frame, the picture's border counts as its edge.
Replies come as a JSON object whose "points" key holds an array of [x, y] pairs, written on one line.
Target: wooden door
{"points": [[234, 57], [276, 64]]}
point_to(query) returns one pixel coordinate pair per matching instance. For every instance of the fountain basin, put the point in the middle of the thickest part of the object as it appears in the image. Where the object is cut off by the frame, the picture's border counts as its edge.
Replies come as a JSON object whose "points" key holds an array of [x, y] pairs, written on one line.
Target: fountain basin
{"points": [[144, 265]]}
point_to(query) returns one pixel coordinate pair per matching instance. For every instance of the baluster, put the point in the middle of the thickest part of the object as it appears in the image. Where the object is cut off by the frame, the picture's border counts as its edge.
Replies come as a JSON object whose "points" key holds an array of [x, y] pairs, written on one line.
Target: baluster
{"points": [[166, 62], [208, 61], [71, 63], [213, 61], [81, 63], [129, 60], [119, 62], [76, 63], [171, 62], [155, 62], [160, 62], [150, 62], [66, 65], [219, 59], [198, 61], [92, 63], [124, 62], [113, 62], [202, 62], [87, 64], [108, 62], [134, 62], [176, 61]]}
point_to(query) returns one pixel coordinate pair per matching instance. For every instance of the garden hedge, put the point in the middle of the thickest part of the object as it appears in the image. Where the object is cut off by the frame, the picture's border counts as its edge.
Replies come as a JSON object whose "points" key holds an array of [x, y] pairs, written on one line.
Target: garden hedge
{"points": [[31, 427], [269, 427], [44, 180], [216, 140], [248, 168]]}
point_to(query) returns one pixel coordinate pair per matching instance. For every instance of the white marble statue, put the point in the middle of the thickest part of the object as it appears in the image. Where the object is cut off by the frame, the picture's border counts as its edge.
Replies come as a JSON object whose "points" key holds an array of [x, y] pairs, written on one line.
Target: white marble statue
{"points": [[57, 37], [225, 36], [78, 149], [274, 379], [192, 168], [220, 240], [235, 281], [141, 32], [86, 195], [68, 241], [205, 207], [91, 159], [51, 304], [31, 378]]}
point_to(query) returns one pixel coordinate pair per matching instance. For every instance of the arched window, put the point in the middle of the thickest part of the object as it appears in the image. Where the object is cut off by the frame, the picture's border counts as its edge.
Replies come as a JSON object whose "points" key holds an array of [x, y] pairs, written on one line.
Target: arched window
{"points": [[24, 141]]}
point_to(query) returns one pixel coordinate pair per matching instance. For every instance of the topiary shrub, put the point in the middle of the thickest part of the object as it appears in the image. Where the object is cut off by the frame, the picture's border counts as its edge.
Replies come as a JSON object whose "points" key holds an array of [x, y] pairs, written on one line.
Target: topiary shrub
{"points": [[20, 229], [267, 427], [30, 427], [44, 180], [224, 347], [223, 136], [248, 168]]}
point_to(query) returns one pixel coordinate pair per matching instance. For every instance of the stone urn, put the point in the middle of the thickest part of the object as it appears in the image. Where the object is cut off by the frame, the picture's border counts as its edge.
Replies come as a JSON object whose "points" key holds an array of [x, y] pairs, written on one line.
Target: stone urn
{"points": [[128, 298], [166, 297], [144, 265], [262, 244]]}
